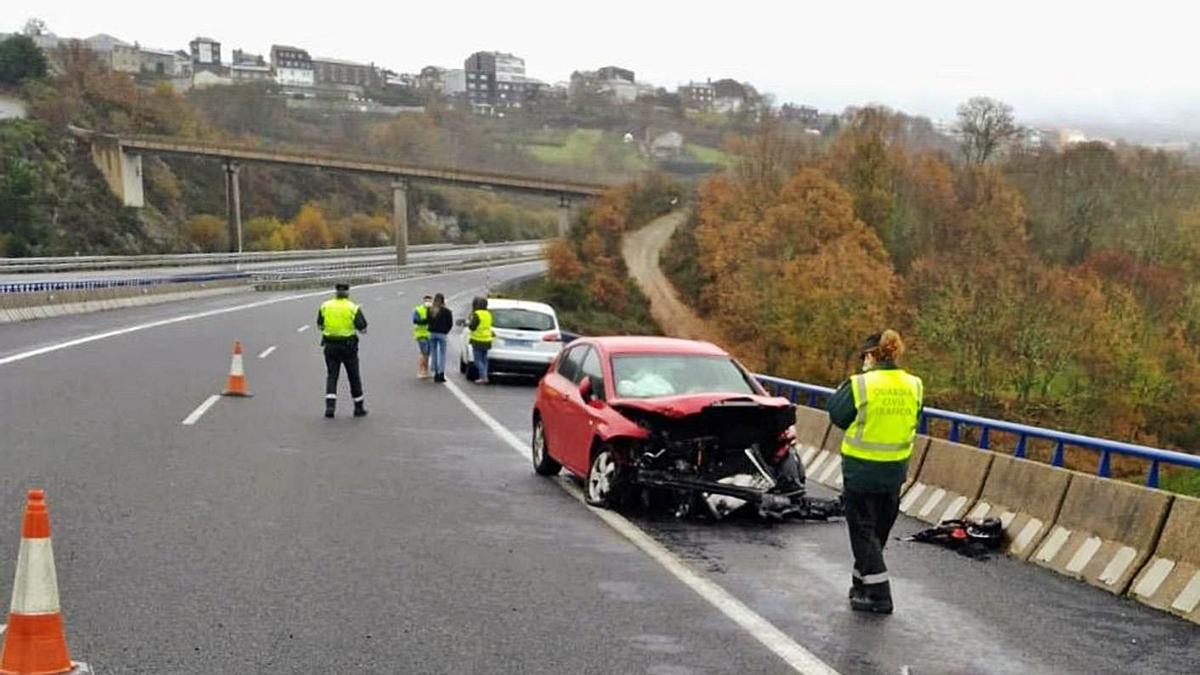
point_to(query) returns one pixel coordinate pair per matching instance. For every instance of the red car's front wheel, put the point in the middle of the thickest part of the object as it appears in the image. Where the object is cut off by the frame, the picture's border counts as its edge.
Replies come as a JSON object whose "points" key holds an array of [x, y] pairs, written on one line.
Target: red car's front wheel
{"points": [[605, 479]]}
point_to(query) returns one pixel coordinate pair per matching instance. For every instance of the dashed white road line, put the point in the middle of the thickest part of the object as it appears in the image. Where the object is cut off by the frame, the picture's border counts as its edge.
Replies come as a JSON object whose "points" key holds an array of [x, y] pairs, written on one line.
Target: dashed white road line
{"points": [[266, 352], [779, 643], [200, 410], [95, 337], [303, 328]]}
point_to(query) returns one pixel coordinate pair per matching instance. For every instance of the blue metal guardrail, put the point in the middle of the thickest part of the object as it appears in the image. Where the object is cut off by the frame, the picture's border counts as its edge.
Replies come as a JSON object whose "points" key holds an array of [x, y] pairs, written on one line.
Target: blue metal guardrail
{"points": [[809, 394], [126, 282]]}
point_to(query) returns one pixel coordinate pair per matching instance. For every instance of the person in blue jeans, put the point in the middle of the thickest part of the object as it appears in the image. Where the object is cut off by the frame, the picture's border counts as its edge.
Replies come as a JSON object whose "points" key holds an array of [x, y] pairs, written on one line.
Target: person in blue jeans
{"points": [[441, 320], [480, 334]]}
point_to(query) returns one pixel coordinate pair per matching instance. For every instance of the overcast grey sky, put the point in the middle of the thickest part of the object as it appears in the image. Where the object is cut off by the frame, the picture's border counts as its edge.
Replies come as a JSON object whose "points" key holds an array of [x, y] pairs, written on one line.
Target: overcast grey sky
{"points": [[1119, 63]]}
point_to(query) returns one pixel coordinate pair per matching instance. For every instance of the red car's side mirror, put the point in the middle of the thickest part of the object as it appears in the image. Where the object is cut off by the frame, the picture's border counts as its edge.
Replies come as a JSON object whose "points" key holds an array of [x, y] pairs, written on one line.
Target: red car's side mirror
{"points": [[591, 396]]}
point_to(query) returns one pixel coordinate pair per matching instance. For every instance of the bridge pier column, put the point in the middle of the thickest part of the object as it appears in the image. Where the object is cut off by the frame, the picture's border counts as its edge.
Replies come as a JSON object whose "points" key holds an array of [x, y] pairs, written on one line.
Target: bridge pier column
{"points": [[400, 218], [233, 205], [122, 170], [564, 215]]}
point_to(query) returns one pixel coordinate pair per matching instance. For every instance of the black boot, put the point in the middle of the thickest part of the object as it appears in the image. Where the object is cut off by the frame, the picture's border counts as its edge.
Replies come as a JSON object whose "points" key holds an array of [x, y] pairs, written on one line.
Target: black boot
{"points": [[359, 409], [330, 405], [856, 586], [875, 598]]}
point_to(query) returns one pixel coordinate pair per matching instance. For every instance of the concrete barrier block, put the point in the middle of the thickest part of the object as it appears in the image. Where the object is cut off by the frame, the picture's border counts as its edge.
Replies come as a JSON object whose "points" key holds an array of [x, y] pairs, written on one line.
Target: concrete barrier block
{"points": [[826, 466], [920, 449], [1171, 580], [948, 482], [833, 439], [1026, 496], [1105, 531], [811, 427]]}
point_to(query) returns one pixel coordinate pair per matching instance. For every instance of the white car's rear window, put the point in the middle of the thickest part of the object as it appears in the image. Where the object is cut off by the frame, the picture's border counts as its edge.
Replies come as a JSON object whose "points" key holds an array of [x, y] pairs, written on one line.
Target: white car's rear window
{"points": [[522, 319]]}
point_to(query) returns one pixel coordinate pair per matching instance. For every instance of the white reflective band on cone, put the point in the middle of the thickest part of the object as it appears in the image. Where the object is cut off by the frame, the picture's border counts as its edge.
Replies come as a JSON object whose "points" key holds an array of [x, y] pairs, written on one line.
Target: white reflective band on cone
{"points": [[236, 368], [35, 590]]}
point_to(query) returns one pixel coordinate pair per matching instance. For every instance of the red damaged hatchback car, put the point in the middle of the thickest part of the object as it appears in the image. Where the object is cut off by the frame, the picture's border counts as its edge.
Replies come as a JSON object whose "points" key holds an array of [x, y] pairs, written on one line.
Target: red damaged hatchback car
{"points": [[666, 419]]}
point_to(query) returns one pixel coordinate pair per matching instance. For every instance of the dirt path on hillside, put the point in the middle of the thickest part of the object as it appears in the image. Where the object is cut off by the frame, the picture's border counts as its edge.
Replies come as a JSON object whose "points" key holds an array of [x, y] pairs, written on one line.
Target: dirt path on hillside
{"points": [[641, 250]]}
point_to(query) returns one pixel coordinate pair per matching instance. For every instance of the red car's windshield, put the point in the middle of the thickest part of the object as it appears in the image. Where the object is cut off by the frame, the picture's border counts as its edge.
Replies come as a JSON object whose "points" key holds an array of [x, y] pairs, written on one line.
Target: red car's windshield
{"points": [[653, 375]]}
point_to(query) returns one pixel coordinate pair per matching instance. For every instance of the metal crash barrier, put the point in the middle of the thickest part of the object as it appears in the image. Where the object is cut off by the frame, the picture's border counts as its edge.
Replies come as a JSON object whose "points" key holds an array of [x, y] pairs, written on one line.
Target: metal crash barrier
{"points": [[811, 395]]}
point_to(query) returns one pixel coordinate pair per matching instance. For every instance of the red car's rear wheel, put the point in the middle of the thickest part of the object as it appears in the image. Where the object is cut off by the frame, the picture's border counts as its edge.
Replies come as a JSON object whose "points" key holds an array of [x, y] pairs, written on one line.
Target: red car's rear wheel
{"points": [[543, 463]]}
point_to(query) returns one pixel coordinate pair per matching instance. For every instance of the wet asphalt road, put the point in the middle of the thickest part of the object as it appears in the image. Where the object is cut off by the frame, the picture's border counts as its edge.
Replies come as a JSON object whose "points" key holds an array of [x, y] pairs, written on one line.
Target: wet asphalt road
{"points": [[266, 538]]}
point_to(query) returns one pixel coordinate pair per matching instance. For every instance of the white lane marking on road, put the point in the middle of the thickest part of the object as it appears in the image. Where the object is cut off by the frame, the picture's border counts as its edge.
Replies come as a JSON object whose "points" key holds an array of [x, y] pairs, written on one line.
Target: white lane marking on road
{"points": [[779, 643], [303, 328], [47, 349], [200, 410], [267, 352]]}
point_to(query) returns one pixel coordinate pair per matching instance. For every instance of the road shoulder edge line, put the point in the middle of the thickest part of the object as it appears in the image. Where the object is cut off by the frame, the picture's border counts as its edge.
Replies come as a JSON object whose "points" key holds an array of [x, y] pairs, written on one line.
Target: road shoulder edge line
{"points": [[779, 643]]}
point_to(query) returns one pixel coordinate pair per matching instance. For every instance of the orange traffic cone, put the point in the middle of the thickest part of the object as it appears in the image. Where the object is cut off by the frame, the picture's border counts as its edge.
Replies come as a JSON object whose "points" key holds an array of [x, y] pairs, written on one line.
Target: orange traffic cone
{"points": [[236, 385], [35, 643]]}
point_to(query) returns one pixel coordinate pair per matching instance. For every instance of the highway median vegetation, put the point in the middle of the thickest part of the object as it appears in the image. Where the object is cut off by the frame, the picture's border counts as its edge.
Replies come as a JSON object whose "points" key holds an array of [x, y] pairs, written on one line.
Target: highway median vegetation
{"points": [[1055, 287]]}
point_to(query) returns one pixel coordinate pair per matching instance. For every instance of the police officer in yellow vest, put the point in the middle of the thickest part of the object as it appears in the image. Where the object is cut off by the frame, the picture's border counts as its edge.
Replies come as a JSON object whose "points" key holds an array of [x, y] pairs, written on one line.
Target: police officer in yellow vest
{"points": [[340, 321], [420, 321], [480, 327], [879, 410]]}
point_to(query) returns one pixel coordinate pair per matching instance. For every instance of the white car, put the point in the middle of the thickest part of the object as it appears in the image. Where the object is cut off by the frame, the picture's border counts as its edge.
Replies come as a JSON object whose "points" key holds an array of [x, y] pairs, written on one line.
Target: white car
{"points": [[526, 338]]}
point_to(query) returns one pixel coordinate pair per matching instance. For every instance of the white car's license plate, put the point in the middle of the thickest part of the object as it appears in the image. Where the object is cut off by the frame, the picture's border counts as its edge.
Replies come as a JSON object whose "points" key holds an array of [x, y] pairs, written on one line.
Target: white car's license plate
{"points": [[519, 344]]}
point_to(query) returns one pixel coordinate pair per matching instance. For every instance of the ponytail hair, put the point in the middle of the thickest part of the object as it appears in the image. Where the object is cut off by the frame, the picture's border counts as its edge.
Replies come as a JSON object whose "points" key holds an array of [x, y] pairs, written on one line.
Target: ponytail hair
{"points": [[891, 347]]}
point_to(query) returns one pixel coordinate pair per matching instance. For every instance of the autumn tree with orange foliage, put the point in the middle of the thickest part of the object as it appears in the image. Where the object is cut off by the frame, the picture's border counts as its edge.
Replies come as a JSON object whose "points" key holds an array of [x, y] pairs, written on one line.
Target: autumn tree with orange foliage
{"points": [[792, 286], [311, 228], [1059, 288]]}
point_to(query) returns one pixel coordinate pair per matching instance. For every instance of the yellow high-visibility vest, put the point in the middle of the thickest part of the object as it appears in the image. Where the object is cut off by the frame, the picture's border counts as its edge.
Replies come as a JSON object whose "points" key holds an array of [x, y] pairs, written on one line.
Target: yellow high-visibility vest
{"points": [[421, 330], [338, 317], [888, 401], [482, 334]]}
